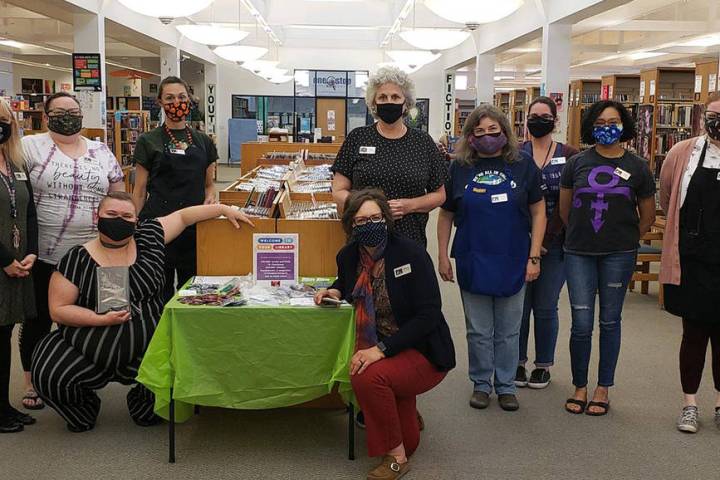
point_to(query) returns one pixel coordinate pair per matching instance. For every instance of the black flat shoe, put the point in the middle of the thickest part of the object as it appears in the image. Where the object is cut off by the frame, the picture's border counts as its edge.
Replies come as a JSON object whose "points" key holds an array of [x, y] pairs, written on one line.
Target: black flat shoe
{"points": [[21, 417], [80, 428], [9, 424]]}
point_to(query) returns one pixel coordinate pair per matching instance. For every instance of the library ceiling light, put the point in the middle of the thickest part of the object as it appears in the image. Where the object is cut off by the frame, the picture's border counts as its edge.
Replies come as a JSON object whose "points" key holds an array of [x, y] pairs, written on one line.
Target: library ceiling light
{"points": [[402, 66], [213, 34], [240, 53], [707, 41], [260, 66], [434, 38], [644, 55], [11, 43], [473, 11], [413, 58], [167, 10]]}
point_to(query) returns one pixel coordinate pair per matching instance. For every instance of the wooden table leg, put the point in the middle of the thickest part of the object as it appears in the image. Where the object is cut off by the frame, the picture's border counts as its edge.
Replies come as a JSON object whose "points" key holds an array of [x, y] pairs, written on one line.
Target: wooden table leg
{"points": [[351, 432]]}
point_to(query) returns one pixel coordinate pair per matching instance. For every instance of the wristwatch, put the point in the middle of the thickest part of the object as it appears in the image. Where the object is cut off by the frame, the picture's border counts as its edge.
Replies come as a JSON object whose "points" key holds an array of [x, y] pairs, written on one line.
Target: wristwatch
{"points": [[535, 260], [381, 346]]}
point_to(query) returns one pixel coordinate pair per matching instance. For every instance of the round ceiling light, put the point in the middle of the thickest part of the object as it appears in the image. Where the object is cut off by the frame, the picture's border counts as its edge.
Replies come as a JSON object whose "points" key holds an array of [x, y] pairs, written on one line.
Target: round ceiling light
{"points": [[434, 38], [259, 66], [281, 78], [413, 58], [240, 53], [167, 10], [212, 34], [473, 11]]}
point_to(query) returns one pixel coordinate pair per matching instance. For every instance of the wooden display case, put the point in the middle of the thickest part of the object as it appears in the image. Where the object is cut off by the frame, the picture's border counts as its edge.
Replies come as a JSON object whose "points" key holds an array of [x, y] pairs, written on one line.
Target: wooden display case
{"points": [[252, 152], [583, 93]]}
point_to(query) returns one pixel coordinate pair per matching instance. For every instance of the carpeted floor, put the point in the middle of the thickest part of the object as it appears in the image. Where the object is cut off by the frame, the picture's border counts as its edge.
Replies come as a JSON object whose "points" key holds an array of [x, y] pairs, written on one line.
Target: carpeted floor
{"points": [[637, 440]]}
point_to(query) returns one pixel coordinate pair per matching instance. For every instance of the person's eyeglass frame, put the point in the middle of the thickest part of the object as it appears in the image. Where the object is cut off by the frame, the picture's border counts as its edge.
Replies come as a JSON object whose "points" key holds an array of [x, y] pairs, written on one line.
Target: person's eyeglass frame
{"points": [[360, 221]]}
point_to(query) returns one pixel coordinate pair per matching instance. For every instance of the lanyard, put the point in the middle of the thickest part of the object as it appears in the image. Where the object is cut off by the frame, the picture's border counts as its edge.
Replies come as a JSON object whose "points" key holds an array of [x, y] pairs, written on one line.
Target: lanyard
{"points": [[9, 182]]}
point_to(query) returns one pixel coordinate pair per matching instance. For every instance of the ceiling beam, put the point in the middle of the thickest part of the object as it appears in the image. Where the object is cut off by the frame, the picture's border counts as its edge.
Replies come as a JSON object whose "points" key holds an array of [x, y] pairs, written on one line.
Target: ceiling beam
{"points": [[664, 26]]}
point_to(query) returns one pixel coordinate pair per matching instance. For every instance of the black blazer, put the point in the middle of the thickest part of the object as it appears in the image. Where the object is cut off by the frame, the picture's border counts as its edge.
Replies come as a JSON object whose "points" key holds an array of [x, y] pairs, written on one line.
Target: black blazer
{"points": [[414, 298]]}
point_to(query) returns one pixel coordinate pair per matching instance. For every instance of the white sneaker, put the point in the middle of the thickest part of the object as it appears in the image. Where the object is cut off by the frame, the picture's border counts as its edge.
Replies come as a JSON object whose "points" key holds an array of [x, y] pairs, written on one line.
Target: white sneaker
{"points": [[688, 421]]}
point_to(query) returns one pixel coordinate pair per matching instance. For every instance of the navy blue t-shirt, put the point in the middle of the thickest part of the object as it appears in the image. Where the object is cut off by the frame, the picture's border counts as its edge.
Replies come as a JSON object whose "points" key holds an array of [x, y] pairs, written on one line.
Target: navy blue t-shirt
{"points": [[526, 175]]}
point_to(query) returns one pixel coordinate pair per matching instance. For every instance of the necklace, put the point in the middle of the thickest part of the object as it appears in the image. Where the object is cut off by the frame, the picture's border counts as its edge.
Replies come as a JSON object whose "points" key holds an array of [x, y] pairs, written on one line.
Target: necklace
{"points": [[391, 137], [175, 142], [107, 258]]}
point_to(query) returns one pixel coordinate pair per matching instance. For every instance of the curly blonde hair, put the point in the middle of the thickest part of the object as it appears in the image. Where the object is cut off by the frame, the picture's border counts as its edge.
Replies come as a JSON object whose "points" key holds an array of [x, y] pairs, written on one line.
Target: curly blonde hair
{"points": [[389, 75]]}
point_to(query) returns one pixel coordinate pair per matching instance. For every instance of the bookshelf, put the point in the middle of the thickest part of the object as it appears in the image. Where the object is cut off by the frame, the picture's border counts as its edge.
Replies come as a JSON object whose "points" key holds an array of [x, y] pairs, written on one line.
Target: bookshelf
{"points": [[665, 113], [518, 111], [583, 93], [125, 127], [626, 90], [463, 109]]}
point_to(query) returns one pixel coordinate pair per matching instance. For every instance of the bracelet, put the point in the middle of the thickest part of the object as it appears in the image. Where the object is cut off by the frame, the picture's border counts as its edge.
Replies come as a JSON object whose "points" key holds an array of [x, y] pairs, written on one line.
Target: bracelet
{"points": [[535, 260]]}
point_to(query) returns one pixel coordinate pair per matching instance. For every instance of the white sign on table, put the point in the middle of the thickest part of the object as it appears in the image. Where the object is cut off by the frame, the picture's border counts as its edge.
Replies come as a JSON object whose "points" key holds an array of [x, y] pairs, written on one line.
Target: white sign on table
{"points": [[275, 259]]}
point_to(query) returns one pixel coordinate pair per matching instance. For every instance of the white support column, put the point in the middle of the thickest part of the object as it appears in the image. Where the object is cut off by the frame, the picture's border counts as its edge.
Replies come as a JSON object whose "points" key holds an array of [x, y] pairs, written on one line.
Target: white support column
{"points": [[89, 37], [556, 51], [169, 62], [484, 78]]}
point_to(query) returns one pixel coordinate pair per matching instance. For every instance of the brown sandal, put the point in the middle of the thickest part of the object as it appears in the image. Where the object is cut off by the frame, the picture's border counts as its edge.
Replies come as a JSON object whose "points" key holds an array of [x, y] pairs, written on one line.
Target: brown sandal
{"points": [[389, 469]]}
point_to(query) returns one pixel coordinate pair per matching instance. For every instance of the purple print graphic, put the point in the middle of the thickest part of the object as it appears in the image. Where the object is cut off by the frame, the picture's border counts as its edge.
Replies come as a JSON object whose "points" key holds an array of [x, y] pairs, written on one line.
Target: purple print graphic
{"points": [[599, 205]]}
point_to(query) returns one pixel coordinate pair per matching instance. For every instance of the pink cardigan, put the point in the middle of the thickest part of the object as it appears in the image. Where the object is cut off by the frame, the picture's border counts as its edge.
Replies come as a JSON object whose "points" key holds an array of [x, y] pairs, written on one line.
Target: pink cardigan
{"points": [[671, 176]]}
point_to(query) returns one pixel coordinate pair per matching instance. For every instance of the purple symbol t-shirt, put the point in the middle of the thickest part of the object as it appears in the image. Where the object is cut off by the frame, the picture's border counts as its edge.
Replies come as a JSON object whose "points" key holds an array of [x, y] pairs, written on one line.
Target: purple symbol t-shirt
{"points": [[604, 212]]}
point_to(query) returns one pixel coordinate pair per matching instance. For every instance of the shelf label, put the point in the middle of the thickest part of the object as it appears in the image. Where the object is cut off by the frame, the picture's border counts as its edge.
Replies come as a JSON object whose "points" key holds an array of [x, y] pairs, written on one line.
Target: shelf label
{"points": [[642, 91], [698, 83], [652, 87], [712, 84]]}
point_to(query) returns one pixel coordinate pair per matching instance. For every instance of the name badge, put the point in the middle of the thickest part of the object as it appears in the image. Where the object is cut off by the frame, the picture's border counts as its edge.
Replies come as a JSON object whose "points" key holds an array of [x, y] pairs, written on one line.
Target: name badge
{"points": [[622, 173], [499, 198], [402, 271], [367, 150], [20, 176], [558, 161], [177, 151], [718, 177]]}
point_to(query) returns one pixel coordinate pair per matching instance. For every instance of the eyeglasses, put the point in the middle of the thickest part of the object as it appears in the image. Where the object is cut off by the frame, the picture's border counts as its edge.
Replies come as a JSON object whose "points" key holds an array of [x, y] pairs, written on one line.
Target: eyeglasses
{"points": [[360, 221], [172, 98], [545, 116], [712, 116], [59, 112]]}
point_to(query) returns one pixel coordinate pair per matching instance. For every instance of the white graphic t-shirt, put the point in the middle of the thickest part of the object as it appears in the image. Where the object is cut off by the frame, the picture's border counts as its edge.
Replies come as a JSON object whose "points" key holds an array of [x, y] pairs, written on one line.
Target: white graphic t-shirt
{"points": [[67, 192]]}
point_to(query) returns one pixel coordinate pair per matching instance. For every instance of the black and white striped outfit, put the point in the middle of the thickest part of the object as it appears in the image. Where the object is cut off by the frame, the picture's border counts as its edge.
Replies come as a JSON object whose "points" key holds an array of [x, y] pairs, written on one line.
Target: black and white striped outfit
{"points": [[72, 362]]}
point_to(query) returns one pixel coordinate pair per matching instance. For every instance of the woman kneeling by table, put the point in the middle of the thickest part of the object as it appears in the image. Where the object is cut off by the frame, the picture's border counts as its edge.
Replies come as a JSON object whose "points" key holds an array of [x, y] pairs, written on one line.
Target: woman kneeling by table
{"points": [[91, 349], [402, 343]]}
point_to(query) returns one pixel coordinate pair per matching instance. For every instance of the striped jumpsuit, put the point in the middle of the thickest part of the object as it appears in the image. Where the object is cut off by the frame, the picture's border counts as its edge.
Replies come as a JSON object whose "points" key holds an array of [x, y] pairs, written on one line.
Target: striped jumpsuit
{"points": [[72, 362]]}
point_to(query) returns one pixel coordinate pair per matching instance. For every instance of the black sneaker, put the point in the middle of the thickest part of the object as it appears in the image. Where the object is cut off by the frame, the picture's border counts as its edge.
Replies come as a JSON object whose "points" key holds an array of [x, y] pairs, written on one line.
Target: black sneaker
{"points": [[360, 419], [521, 379], [539, 378]]}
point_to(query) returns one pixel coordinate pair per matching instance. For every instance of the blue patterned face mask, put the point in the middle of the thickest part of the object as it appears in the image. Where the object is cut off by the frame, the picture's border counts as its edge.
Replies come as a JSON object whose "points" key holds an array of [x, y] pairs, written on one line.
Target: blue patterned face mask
{"points": [[607, 134]]}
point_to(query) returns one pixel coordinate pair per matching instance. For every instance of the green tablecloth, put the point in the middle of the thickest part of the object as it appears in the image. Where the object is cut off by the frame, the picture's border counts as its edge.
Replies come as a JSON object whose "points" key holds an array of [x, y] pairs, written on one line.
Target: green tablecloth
{"points": [[247, 357]]}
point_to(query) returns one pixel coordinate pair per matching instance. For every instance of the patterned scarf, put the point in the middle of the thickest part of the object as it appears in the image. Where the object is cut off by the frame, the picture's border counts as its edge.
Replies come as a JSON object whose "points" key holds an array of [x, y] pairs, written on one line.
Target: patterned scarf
{"points": [[365, 327]]}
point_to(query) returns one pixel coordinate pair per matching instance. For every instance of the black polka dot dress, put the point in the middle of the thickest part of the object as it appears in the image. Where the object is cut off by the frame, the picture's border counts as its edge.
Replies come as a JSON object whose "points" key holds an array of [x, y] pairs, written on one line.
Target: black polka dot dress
{"points": [[408, 167]]}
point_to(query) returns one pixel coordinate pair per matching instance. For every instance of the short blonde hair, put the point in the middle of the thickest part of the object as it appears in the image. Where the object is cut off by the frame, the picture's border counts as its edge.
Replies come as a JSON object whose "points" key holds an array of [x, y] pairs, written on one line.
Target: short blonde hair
{"points": [[389, 75], [466, 155], [12, 149]]}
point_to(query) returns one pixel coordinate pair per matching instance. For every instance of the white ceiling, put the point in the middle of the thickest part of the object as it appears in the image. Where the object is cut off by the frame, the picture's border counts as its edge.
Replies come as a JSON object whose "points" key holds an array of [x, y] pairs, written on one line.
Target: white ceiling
{"points": [[600, 43]]}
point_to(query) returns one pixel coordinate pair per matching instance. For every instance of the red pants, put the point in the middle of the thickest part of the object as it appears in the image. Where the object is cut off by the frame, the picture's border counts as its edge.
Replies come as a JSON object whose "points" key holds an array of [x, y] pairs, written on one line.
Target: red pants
{"points": [[386, 393]]}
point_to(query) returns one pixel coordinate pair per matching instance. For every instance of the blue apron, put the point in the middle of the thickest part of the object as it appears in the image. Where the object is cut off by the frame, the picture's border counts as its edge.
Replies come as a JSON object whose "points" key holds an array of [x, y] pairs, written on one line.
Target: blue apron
{"points": [[492, 241]]}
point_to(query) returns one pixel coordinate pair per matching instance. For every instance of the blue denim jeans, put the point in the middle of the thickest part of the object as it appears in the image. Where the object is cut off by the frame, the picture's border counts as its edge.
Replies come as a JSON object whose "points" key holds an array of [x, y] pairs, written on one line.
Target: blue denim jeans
{"points": [[609, 276], [541, 299], [493, 333]]}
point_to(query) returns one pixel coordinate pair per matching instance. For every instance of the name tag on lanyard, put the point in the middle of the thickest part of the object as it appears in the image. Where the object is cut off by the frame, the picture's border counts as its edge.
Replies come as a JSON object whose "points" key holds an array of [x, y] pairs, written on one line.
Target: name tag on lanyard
{"points": [[499, 198], [177, 151], [558, 161]]}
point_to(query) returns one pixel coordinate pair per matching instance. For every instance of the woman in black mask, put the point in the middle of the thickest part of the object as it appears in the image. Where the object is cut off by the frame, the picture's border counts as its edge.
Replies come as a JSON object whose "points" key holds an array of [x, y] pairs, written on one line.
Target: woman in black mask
{"points": [[175, 168], [541, 296], [690, 267], [403, 346], [403, 162], [107, 298]]}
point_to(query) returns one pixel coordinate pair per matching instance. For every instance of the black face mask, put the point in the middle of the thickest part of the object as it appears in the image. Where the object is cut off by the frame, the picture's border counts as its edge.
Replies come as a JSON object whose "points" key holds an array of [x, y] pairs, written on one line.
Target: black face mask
{"points": [[712, 127], [116, 228], [5, 132], [390, 112], [65, 124], [539, 126]]}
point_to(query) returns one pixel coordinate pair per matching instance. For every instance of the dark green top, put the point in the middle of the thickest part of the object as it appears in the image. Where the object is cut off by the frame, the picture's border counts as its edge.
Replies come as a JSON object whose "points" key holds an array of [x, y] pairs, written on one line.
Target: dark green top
{"points": [[152, 144]]}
